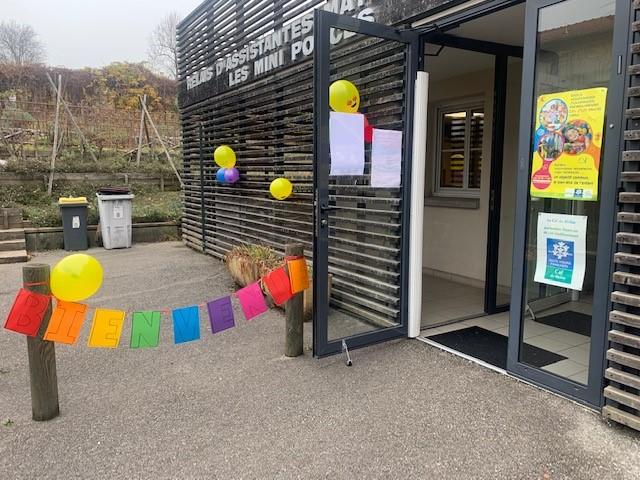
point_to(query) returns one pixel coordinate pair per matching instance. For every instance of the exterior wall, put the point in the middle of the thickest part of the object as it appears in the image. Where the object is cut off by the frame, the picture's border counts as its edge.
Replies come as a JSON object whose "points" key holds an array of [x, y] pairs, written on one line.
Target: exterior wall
{"points": [[268, 119], [623, 372]]}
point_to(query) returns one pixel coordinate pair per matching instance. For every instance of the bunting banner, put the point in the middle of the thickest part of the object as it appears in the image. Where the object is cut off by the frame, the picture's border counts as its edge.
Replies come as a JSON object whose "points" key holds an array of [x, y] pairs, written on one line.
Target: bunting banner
{"points": [[186, 324], [107, 328], [221, 314], [66, 322], [27, 312], [67, 319], [145, 329], [252, 301], [279, 285], [298, 274]]}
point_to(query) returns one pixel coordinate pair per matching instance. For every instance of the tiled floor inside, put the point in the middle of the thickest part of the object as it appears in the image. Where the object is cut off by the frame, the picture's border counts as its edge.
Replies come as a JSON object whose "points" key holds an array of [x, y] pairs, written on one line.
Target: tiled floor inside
{"points": [[444, 300], [447, 300]]}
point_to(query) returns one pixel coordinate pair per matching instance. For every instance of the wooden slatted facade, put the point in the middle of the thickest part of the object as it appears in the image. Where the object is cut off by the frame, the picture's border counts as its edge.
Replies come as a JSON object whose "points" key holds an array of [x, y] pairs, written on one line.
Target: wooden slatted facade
{"points": [[268, 121], [622, 392]]}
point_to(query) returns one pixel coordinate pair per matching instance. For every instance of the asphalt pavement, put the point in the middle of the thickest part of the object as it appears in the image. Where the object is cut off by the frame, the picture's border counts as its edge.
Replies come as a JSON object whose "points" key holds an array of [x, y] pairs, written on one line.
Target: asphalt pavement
{"points": [[231, 406]]}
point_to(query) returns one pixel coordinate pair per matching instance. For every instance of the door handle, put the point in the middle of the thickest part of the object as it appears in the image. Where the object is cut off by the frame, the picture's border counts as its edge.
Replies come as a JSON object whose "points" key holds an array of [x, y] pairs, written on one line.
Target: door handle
{"points": [[326, 208]]}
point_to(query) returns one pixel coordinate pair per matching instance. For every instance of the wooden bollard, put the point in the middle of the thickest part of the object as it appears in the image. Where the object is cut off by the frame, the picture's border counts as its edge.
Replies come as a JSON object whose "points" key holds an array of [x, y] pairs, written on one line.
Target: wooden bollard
{"points": [[294, 311], [42, 353]]}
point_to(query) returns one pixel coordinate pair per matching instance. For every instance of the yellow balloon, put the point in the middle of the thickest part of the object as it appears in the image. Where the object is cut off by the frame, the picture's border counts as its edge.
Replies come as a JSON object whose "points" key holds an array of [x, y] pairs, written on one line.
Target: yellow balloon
{"points": [[344, 96], [281, 188], [76, 277], [224, 156]]}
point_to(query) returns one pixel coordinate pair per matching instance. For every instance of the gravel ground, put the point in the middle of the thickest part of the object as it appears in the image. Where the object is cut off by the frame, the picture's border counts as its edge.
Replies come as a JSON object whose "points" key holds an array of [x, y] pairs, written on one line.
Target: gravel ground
{"points": [[231, 406]]}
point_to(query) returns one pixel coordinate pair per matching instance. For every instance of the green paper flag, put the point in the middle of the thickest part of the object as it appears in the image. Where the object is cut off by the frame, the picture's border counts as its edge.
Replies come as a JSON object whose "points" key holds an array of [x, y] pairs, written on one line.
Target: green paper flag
{"points": [[145, 329]]}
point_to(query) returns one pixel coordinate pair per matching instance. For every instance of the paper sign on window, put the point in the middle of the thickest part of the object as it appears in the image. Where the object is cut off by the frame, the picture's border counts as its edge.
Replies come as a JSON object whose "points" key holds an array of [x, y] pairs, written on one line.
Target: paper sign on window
{"points": [[561, 250], [386, 158], [346, 143]]}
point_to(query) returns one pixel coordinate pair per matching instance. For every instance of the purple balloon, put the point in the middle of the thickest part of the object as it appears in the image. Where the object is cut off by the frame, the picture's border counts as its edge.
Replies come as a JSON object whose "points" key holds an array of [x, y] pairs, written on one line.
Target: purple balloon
{"points": [[231, 175]]}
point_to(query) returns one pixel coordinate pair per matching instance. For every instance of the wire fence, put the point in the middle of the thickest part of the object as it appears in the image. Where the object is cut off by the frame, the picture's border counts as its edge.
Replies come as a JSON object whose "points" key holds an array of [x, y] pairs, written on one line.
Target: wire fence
{"points": [[32, 124]]}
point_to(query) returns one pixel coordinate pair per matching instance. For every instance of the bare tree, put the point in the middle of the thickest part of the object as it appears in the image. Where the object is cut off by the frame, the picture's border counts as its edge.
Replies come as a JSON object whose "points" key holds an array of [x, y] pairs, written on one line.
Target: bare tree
{"points": [[19, 44], [163, 51]]}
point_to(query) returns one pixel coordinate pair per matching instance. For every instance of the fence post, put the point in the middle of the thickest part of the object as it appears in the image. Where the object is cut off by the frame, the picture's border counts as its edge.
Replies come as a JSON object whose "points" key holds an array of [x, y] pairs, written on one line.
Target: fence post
{"points": [[294, 311], [42, 353]]}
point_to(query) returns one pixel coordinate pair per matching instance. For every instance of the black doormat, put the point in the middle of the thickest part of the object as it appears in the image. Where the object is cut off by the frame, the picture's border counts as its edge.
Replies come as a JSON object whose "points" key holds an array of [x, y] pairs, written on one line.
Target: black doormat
{"points": [[575, 322], [491, 347]]}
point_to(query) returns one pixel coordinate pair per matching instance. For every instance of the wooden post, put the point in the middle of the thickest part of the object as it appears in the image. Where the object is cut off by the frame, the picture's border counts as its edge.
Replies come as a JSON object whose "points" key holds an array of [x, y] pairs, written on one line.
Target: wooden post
{"points": [[42, 353], [166, 152], [73, 120], [54, 150], [294, 311], [143, 101]]}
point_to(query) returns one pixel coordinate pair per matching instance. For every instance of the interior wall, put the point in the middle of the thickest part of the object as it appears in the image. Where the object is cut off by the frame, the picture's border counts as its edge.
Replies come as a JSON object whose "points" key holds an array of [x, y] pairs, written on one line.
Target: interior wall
{"points": [[455, 238]]}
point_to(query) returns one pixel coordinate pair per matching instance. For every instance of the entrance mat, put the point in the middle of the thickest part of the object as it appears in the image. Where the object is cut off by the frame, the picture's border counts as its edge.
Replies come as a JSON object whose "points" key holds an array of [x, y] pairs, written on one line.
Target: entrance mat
{"points": [[571, 321], [491, 347]]}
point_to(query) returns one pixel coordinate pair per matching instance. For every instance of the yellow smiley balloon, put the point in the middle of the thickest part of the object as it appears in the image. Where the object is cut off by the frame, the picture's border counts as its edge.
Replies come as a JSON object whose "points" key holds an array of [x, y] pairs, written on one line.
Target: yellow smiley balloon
{"points": [[76, 277], [344, 96], [224, 156]]}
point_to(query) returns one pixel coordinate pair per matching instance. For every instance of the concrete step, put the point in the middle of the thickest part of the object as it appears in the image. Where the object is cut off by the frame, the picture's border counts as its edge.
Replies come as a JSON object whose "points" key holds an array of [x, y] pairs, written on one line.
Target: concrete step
{"points": [[9, 245], [16, 256], [11, 234]]}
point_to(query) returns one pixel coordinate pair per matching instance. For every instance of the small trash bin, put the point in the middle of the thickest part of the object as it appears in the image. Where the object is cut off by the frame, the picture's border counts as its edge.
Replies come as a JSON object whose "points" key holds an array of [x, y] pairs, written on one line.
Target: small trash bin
{"points": [[114, 207], [74, 222]]}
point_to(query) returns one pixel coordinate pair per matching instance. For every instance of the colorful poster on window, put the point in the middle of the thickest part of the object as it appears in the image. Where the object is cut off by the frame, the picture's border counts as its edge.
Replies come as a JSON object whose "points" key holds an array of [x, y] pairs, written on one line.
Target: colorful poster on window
{"points": [[567, 144], [562, 250]]}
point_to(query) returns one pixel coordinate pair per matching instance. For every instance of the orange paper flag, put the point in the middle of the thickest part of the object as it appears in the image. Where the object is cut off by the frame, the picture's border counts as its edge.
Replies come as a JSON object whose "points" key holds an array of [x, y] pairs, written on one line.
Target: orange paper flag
{"points": [[298, 275], [66, 322], [107, 328]]}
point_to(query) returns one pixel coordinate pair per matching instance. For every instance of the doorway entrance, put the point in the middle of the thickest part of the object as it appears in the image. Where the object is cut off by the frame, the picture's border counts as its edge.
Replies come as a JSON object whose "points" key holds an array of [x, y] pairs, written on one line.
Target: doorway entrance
{"points": [[475, 75], [501, 130]]}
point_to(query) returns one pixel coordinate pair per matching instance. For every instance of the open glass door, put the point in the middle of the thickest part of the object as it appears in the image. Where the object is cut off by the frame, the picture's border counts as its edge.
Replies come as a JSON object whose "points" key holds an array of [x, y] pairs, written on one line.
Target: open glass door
{"points": [[361, 181], [569, 148]]}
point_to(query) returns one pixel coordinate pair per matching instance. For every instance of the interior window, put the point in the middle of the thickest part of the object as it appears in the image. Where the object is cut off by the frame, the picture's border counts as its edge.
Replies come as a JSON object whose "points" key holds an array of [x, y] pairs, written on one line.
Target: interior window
{"points": [[459, 156]]}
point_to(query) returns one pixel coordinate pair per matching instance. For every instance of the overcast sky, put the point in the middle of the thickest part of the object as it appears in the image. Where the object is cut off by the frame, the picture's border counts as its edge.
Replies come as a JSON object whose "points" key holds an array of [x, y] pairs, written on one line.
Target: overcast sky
{"points": [[93, 33]]}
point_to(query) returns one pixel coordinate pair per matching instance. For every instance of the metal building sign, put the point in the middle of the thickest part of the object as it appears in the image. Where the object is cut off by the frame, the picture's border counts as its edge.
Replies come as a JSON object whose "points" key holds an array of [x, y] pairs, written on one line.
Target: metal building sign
{"points": [[284, 46]]}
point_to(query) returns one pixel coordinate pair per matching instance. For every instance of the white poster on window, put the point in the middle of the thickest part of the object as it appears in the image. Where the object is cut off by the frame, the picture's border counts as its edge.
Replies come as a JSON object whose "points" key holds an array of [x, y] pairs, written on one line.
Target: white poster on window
{"points": [[562, 250], [386, 158], [346, 142]]}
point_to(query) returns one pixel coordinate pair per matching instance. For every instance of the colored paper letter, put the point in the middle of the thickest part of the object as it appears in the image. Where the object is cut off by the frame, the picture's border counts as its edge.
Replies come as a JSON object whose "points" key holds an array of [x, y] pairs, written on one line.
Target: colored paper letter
{"points": [[66, 322], [27, 312], [106, 328], [145, 330], [251, 301], [277, 282], [298, 275], [186, 324], [220, 314]]}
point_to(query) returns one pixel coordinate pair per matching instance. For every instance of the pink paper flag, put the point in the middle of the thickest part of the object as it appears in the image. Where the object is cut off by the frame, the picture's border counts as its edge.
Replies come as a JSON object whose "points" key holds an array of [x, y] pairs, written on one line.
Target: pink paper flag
{"points": [[251, 301]]}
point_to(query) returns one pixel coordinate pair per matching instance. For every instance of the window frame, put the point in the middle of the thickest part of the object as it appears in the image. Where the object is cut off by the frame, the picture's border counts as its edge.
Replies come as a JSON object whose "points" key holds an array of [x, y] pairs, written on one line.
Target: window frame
{"points": [[467, 105]]}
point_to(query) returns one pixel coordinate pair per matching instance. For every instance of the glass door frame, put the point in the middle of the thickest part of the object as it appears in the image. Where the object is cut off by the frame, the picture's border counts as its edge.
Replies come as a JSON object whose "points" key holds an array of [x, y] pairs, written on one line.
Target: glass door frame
{"points": [[323, 22], [590, 394]]}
